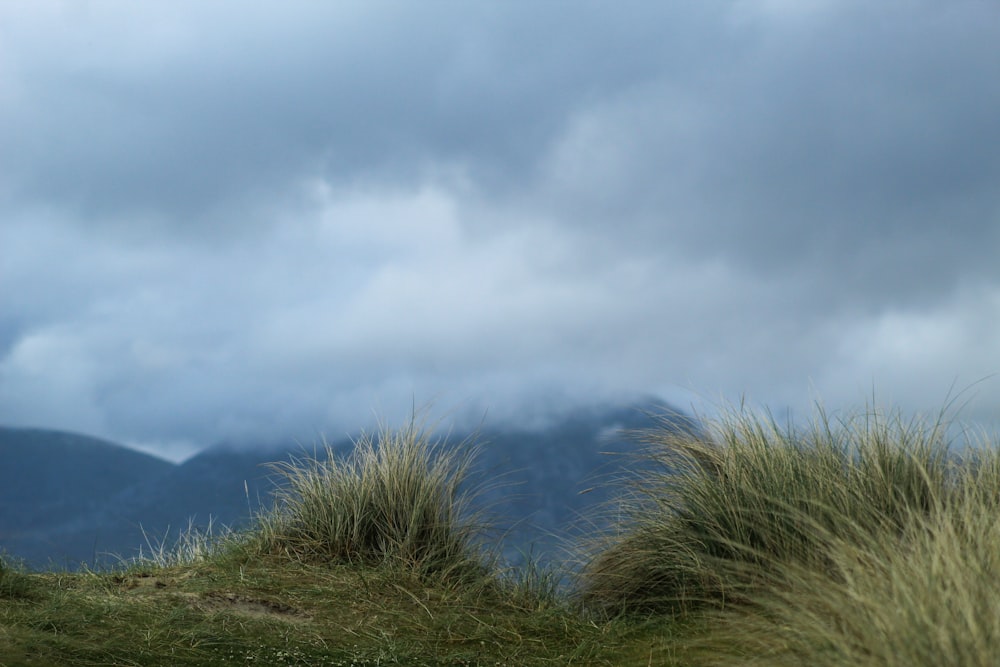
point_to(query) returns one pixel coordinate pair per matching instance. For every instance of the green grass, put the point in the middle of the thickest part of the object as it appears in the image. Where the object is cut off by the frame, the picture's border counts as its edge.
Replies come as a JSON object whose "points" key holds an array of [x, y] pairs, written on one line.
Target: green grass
{"points": [[750, 492], [397, 498], [867, 540], [273, 611], [926, 597]]}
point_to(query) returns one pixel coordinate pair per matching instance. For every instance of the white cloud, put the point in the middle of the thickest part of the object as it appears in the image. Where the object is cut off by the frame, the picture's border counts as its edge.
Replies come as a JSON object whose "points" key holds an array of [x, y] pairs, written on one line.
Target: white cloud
{"points": [[912, 357], [48, 379]]}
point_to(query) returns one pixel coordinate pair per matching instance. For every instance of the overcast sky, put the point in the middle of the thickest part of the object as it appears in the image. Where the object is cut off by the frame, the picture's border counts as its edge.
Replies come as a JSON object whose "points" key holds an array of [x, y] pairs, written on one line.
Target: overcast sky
{"points": [[236, 221]]}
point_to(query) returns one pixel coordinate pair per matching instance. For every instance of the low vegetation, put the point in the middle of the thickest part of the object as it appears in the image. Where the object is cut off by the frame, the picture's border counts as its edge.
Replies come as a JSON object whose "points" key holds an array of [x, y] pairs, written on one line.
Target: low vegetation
{"points": [[399, 498], [866, 540], [871, 540]]}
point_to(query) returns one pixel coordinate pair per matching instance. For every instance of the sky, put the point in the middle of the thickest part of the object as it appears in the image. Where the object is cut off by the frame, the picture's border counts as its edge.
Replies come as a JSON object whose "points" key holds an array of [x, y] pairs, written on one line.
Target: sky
{"points": [[245, 221]]}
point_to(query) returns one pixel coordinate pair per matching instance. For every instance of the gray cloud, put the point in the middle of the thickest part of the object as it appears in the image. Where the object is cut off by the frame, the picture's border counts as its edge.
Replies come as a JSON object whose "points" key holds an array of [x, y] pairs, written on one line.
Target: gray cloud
{"points": [[235, 225], [866, 129]]}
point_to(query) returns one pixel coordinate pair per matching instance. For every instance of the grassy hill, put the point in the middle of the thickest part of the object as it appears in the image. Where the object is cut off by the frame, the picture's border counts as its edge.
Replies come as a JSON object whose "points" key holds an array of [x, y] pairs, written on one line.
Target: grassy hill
{"points": [[862, 541], [272, 611]]}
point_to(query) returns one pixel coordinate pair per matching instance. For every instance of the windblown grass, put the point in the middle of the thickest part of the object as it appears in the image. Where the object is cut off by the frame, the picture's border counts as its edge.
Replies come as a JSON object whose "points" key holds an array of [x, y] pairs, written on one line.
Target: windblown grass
{"points": [[866, 541], [725, 505], [926, 597], [399, 497]]}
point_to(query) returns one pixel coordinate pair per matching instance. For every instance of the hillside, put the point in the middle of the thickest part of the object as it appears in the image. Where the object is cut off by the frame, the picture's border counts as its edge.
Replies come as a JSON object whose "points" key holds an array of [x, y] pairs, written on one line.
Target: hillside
{"points": [[54, 484], [250, 611]]}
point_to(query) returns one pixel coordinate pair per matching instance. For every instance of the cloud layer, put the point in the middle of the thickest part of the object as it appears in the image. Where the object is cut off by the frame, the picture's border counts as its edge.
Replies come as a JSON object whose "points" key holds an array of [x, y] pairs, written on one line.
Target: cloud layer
{"points": [[238, 225]]}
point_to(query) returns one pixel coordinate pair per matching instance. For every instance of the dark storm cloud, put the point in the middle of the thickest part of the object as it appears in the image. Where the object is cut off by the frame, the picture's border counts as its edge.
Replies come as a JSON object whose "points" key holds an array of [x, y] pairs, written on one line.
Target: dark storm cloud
{"points": [[861, 140], [223, 223], [168, 111]]}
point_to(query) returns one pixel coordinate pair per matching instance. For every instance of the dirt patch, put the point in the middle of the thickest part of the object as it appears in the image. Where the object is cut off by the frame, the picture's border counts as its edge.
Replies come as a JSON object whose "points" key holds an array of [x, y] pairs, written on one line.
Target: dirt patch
{"points": [[143, 581], [247, 606]]}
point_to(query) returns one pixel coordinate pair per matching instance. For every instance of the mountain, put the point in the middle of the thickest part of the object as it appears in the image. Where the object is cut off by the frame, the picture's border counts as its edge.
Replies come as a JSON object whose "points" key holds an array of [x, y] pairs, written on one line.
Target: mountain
{"points": [[547, 485], [50, 479], [67, 499]]}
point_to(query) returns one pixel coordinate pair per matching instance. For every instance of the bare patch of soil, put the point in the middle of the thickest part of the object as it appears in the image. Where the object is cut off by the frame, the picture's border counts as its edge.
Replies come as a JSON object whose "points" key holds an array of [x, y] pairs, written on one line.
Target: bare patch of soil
{"points": [[247, 606]]}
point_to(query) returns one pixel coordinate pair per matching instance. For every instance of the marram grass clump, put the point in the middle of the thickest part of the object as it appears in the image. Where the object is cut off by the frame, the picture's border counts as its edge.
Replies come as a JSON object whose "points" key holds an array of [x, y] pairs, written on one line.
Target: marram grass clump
{"points": [[927, 596], [747, 496], [400, 498]]}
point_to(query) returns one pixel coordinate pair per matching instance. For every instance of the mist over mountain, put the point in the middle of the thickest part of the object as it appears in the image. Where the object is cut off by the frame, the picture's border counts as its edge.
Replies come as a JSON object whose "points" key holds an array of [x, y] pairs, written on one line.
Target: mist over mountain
{"points": [[68, 500]]}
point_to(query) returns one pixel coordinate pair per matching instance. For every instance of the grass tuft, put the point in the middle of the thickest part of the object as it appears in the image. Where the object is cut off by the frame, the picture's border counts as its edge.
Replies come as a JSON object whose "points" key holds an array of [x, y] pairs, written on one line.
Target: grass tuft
{"points": [[193, 544], [398, 498], [926, 595], [723, 506]]}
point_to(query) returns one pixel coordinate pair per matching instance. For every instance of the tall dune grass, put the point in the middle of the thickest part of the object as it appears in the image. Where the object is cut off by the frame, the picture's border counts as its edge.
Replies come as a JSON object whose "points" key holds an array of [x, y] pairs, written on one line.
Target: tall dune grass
{"points": [[726, 506], [399, 497], [865, 541], [927, 596]]}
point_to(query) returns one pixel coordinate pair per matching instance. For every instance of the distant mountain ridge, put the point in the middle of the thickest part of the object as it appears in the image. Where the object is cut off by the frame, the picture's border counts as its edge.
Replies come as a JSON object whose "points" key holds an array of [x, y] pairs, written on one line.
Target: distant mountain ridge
{"points": [[49, 477], [67, 499]]}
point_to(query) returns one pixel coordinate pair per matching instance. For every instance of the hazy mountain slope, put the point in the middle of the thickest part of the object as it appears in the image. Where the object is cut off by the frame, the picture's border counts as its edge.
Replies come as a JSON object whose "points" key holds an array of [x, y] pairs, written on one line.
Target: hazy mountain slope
{"points": [[52, 478], [224, 484], [81, 500], [547, 485], [46, 475]]}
